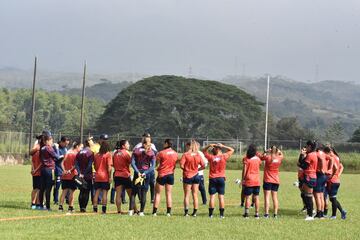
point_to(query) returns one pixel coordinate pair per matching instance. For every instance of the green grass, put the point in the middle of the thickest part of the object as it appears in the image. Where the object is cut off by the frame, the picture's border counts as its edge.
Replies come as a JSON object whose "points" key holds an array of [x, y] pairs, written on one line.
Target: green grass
{"points": [[14, 202]]}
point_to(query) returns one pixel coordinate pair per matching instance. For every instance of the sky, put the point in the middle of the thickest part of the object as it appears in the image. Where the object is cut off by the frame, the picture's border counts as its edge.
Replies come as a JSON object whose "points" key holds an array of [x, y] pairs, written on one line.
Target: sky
{"points": [[306, 40]]}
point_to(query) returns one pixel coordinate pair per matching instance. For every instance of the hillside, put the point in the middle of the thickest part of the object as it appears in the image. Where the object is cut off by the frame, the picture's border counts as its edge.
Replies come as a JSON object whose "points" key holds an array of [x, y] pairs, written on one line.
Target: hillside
{"points": [[177, 106], [315, 105]]}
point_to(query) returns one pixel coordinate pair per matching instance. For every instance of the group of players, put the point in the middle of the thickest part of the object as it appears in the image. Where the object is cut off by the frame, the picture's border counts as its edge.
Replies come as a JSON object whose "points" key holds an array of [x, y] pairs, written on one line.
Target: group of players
{"points": [[92, 168]]}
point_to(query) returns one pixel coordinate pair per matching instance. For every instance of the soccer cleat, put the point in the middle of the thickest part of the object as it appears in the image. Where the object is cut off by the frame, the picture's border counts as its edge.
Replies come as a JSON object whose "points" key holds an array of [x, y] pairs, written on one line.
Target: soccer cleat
{"points": [[131, 212], [33, 207], [343, 215], [275, 216], [193, 215], [257, 216], [309, 218], [186, 215], [38, 208], [333, 217], [246, 215], [141, 214], [168, 215], [266, 215], [211, 216], [154, 214], [303, 210], [82, 210], [222, 217]]}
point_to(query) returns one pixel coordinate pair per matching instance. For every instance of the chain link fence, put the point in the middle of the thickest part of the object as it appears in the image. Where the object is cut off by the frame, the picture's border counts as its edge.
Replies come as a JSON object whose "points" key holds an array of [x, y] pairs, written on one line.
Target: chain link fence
{"points": [[18, 142]]}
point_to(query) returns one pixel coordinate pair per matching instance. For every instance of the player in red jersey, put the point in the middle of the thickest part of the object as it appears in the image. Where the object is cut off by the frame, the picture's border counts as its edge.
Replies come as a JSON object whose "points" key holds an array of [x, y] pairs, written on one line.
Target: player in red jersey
{"points": [[103, 167], [308, 162], [68, 174], [333, 183], [121, 164], [36, 174], [251, 179], [273, 158], [217, 162], [189, 163], [166, 160]]}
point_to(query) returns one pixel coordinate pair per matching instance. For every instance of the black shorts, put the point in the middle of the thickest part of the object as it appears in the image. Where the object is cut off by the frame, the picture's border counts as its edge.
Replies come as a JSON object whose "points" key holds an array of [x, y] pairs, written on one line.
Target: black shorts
{"points": [[321, 180], [68, 184], [251, 190], [102, 185], [121, 181], [333, 189], [167, 179], [193, 180], [271, 186], [310, 182], [36, 182], [217, 185]]}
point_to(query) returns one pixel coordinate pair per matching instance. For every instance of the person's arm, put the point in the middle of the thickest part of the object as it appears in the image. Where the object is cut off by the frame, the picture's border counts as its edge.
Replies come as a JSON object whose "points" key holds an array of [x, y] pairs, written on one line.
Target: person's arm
{"points": [[341, 169], [330, 165], [133, 164], [54, 152], [110, 164], [77, 164], [204, 156], [90, 163], [202, 163], [243, 172], [152, 165], [205, 149], [63, 167], [182, 162], [230, 150]]}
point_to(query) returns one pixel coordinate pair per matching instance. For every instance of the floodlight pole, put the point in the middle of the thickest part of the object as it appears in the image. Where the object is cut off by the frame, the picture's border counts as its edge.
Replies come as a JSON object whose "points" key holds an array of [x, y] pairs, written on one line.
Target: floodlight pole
{"points": [[82, 105], [267, 112], [32, 106]]}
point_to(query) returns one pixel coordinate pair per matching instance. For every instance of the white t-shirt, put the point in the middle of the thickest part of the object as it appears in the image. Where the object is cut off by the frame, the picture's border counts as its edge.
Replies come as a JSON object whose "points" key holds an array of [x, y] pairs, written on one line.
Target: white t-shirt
{"points": [[201, 172]]}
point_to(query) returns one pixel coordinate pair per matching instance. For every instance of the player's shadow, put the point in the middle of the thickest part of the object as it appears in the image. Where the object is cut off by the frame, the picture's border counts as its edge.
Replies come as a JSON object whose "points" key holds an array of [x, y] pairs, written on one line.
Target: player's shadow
{"points": [[14, 205]]}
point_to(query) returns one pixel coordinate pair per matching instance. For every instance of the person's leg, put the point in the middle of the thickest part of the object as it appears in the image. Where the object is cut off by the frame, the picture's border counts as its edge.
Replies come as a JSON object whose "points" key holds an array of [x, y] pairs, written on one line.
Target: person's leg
{"points": [[144, 191], [104, 200], [168, 194], [308, 199], [118, 190], [257, 204], [211, 204], [248, 199], [95, 200], [202, 190], [187, 191], [158, 189], [221, 204], [242, 204], [275, 200], [112, 195], [194, 191], [33, 197], [49, 184], [152, 186], [71, 198], [267, 194], [57, 184], [129, 192], [123, 197], [62, 198]]}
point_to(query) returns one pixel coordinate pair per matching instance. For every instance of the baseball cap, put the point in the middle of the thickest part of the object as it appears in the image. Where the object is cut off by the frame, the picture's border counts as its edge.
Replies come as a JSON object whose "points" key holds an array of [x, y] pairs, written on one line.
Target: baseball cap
{"points": [[104, 137]]}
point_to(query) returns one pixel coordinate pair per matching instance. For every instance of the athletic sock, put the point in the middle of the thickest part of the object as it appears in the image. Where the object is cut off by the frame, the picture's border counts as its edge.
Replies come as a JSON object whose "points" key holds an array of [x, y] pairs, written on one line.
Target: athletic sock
{"points": [[221, 212], [309, 204], [333, 206], [339, 206], [61, 207], [186, 211], [211, 210], [194, 212], [325, 211], [303, 199], [71, 208], [168, 210], [154, 210], [103, 208], [95, 209]]}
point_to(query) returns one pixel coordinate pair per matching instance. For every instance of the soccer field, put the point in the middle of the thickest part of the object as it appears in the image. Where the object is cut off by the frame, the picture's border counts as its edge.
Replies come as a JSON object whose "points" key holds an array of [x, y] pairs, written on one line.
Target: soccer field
{"points": [[18, 221]]}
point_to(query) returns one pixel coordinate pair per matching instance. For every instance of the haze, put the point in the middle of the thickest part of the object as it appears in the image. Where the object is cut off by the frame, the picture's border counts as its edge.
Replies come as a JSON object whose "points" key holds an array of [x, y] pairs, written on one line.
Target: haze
{"points": [[306, 40]]}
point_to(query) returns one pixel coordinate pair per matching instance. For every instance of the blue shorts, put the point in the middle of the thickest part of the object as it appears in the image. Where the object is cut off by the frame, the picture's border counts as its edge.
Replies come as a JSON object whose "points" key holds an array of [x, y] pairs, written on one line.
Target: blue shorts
{"points": [[36, 182], [121, 181], [194, 180], [68, 184], [217, 185], [167, 179], [271, 186], [251, 190], [102, 185], [321, 180], [310, 182], [333, 189]]}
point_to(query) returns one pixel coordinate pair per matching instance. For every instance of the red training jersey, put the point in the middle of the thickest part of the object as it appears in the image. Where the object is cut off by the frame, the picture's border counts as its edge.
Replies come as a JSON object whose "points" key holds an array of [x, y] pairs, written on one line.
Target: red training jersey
{"points": [[69, 163], [217, 164], [121, 163], [167, 160], [271, 169], [102, 163], [36, 161], [312, 160], [252, 173], [336, 177], [190, 162], [322, 163]]}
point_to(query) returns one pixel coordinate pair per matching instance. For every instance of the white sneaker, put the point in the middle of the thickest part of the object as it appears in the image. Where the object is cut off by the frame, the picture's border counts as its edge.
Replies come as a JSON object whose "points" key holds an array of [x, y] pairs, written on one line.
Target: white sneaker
{"points": [[332, 217], [154, 214], [211, 216], [309, 218], [141, 214], [168, 215], [131, 212], [222, 217]]}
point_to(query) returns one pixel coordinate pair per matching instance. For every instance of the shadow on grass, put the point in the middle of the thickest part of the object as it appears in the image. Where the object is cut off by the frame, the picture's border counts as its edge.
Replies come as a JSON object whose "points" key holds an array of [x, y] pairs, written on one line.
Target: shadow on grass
{"points": [[15, 205]]}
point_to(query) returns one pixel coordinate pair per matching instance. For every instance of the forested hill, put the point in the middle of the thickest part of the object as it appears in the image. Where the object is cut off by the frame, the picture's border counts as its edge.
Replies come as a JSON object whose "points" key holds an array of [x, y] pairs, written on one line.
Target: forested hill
{"points": [[177, 106], [316, 105]]}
